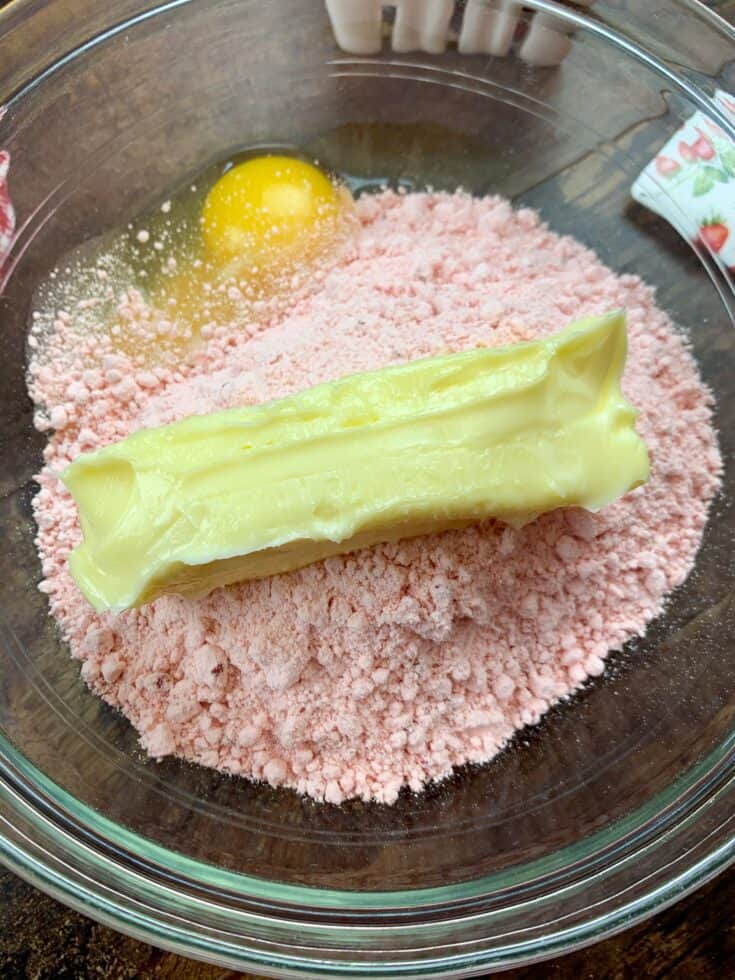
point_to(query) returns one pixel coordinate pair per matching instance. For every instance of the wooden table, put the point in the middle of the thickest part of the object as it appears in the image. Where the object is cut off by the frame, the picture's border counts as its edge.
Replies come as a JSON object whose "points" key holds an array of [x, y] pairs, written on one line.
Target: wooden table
{"points": [[40, 938]]}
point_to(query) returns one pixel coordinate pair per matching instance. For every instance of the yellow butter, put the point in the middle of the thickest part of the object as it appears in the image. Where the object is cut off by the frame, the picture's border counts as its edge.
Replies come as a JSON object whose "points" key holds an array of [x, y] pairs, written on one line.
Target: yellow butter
{"points": [[426, 446]]}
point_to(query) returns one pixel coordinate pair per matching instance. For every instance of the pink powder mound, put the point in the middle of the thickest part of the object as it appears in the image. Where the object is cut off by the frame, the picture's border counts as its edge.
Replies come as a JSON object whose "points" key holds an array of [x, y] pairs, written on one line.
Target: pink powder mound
{"points": [[387, 667]]}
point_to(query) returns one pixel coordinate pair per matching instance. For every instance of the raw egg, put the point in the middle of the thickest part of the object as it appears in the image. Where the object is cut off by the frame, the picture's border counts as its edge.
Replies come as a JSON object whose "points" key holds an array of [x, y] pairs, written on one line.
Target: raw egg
{"points": [[269, 210]]}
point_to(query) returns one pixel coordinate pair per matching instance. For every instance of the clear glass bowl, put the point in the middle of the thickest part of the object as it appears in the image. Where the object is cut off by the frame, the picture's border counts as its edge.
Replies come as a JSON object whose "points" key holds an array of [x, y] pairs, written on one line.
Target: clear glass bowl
{"points": [[621, 799]]}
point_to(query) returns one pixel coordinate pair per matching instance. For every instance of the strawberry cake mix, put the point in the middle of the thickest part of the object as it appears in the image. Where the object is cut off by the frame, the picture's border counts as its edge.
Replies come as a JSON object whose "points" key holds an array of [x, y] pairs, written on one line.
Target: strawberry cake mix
{"points": [[386, 668]]}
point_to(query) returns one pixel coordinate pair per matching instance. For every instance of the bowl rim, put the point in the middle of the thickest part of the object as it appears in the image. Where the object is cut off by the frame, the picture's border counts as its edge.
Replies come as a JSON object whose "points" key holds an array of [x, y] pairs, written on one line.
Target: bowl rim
{"points": [[40, 843], [63, 846]]}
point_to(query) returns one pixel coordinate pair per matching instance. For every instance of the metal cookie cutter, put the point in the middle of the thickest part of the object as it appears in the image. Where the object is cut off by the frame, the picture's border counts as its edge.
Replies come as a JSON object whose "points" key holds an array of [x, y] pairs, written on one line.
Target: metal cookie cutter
{"points": [[485, 27]]}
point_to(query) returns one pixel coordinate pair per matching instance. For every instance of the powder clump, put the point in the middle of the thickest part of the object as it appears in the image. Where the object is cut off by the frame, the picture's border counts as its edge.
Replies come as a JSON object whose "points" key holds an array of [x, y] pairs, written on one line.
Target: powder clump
{"points": [[384, 668]]}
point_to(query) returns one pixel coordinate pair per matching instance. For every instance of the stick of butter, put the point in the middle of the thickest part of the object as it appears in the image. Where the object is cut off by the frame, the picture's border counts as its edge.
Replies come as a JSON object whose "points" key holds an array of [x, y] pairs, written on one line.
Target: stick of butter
{"points": [[425, 446]]}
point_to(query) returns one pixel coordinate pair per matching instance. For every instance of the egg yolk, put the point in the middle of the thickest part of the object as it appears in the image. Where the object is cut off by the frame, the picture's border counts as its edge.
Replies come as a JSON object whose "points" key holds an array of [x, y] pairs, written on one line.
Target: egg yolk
{"points": [[268, 210]]}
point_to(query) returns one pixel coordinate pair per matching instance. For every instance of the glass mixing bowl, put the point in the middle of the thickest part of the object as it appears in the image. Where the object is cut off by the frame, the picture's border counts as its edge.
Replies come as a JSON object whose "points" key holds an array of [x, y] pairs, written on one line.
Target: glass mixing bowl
{"points": [[622, 798]]}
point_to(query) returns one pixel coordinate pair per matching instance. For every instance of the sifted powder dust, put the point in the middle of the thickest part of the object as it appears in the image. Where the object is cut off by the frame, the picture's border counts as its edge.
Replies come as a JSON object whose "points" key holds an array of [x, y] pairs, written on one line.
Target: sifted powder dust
{"points": [[387, 667]]}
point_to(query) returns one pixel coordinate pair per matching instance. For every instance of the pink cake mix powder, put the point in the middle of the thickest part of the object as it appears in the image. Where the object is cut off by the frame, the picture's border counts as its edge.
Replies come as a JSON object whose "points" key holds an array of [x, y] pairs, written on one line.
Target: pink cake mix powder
{"points": [[362, 674]]}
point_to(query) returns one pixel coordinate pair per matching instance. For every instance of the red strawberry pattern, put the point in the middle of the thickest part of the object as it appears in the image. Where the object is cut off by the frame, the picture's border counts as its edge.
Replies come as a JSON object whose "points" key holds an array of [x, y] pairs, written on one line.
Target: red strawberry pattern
{"points": [[686, 151], [703, 147], [691, 181], [667, 167], [714, 233], [7, 214]]}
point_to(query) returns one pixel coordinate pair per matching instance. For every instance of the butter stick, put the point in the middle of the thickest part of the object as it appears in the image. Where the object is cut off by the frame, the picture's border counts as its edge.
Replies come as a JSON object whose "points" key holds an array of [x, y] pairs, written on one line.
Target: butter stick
{"points": [[426, 446]]}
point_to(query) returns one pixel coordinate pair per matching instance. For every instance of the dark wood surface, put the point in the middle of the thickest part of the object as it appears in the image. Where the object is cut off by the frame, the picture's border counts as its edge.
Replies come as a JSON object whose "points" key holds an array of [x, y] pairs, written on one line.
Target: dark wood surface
{"points": [[40, 938]]}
